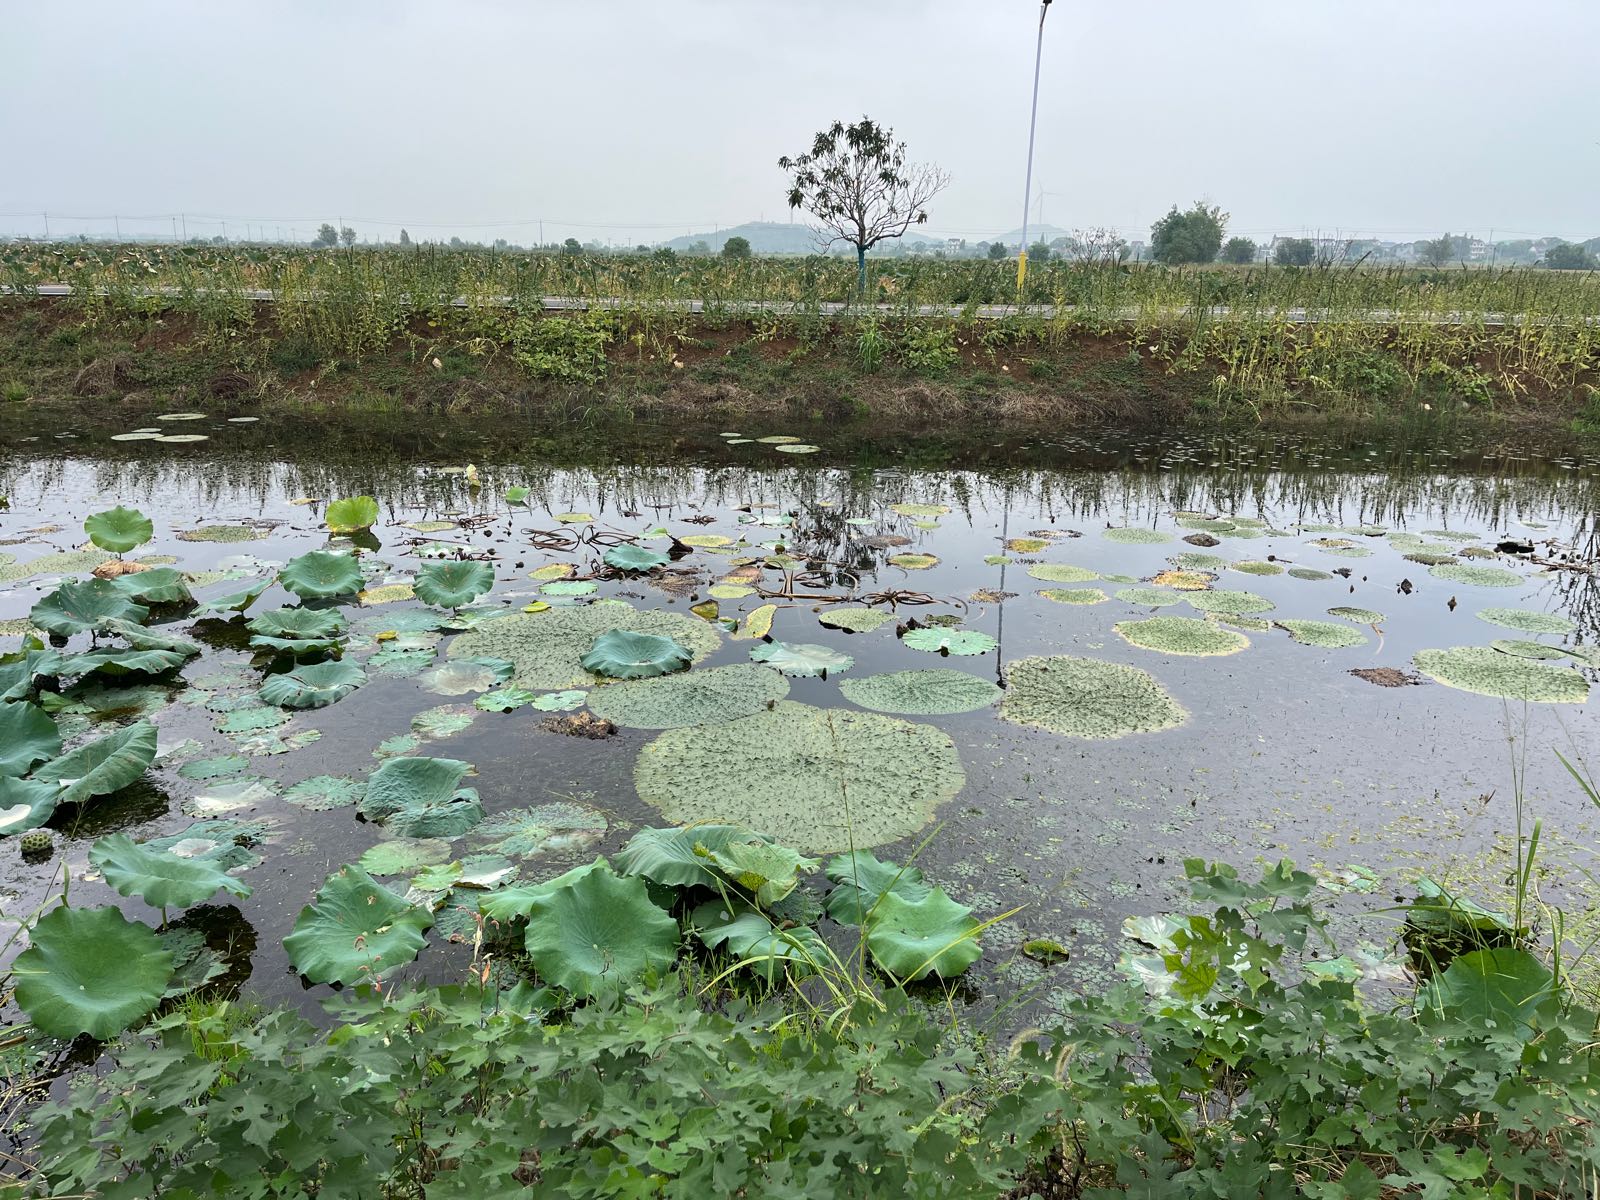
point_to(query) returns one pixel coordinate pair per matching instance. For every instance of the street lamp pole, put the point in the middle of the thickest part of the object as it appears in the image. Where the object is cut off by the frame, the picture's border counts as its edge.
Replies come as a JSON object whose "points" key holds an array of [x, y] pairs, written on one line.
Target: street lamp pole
{"points": [[1033, 121]]}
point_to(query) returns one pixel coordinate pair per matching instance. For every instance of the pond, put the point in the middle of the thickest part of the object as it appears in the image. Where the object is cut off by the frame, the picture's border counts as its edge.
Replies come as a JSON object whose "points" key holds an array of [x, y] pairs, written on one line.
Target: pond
{"points": [[1271, 607]]}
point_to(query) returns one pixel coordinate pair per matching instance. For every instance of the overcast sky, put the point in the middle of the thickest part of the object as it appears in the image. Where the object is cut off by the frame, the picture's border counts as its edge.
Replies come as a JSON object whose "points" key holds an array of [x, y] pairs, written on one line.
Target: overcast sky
{"points": [[639, 120]]}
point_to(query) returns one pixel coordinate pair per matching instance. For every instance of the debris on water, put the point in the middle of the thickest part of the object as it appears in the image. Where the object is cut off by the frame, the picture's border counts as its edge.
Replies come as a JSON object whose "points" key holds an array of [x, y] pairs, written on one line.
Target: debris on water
{"points": [[1202, 539], [583, 724]]}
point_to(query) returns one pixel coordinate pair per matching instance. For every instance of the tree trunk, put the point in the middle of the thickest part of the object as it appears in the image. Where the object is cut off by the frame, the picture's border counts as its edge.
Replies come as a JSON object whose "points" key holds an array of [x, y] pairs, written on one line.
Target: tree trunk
{"points": [[861, 270]]}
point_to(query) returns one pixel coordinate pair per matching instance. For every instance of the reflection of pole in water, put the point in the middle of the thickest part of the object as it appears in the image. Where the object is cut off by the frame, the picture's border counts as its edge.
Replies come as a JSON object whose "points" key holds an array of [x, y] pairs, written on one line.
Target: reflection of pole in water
{"points": [[1000, 629]]}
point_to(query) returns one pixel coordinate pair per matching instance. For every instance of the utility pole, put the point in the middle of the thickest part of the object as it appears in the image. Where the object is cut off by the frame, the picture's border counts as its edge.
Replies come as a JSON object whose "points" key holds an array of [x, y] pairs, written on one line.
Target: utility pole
{"points": [[47, 227], [1033, 120], [184, 218]]}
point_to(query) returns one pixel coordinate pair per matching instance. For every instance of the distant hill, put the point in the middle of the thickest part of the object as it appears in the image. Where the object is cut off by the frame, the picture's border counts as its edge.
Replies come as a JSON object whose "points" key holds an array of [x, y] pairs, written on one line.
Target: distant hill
{"points": [[766, 237]]}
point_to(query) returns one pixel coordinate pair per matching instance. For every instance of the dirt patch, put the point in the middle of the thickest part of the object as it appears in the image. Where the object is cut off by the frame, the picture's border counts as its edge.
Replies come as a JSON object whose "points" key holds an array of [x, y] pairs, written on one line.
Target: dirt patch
{"points": [[106, 378], [1386, 676]]}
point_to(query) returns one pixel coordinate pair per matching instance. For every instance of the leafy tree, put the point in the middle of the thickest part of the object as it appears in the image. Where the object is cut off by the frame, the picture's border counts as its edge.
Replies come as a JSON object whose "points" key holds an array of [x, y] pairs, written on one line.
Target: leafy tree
{"points": [[997, 250], [700, 248], [571, 246], [1440, 251], [1188, 237], [1239, 250], [405, 238], [1294, 252], [1570, 257], [347, 236], [1040, 251], [736, 247], [327, 235], [857, 183]]}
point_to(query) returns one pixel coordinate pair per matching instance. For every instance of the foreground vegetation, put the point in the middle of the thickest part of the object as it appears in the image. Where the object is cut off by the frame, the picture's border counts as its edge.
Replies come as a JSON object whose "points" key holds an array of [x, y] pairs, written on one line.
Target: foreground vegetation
{"points": [[469, 326]]}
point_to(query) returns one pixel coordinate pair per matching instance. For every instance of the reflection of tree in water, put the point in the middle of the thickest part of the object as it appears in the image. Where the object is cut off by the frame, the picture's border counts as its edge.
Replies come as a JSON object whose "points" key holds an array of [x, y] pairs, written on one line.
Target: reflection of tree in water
{"points": [[1578, 590], [834, 550]]}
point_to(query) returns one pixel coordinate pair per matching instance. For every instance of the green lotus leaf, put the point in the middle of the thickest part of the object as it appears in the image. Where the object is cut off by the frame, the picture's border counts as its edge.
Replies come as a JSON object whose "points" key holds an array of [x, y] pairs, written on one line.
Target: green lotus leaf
{"points": [[222, 533], [622, 654], [516, 903], [215, 768], [1526, 649], [547, 647], [1206, 524], [937, 691], [1148, 597], [1073, 595], [322, 793], [465, 675], [313, 686], [1253, 567], [27, 736], [569, 587], [815, 779], [299, 647], [911, 939], [1231, 603], [803, 660], [1327, 635], [119, 529], [227, 844], [1191, 561], [949, 641], [542, 829], [913, 510], [159, 585], [690, 698], [26, 803], [506, 699], [17, 676], [599, 931], [104, 766], [444, 721], [354, 515], [1083, 697], [1361, 616], [1527, 621], [141, 637], [1181, 635], [1473, 575], [236, 601], [1136, 536], [761, 867], [159, 877], [1062, 573], [453, 584], [299, 623], [78, 607], [517, 495], [751, 937], [1489, 673], [679, 857], [911, 562], [355, 930], [1308, 573], [417, 797], [853, 620], [113, 661], [859, 879], [90, 970], [252, 718], [404, 855], [1497, 988], [321, 575], [631, 557]]}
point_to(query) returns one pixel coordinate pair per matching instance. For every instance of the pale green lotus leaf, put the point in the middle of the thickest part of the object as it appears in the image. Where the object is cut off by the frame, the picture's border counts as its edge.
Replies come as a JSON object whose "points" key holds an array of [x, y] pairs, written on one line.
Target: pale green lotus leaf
{"points": [[355, 930], [230, 796], [1148, 597], [815, 779], [911, 939], [323, 793], [404, 855], [1181, 635], [542, 829], [1308, 573], [159, 585], [354, 515], [465, 675], [1453, 535], [321, 575], [547, 648], [78, 607], [860, 879], [1062, 573], [1191, 561], [1489, 673], [159, 877], [1526, 649], [914, 562], [1326, 635], [27, 736], [1361, 616], [853, 620], [227, 844], [738, 591], [312, 686], [804, 660], [222, 533], [937, 691], [1136, 536], [453, 584], [237, 601], [691, 698], [104, 766], [253, 719], [624, 654], [633, 558], [1472, 575], [1087, 698], [119, 529], [1221, 600], [1078, 596], [678, 857], [920, 510], [505, 700], [762, 867], [445, 720], [1255, 567], [90, 970], [69, 562], [26, 803], [750, 936], [564, 701], [599, 931], [418, 798], [298, 623], [1527, 621]]}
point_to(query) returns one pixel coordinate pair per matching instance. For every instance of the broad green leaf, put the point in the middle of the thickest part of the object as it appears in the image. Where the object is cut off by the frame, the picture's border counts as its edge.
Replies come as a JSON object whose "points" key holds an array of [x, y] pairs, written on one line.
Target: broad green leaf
{"points": [[159, 585], [26, 803], [678, 857], [516, 903], [141, 637], [765, 869], [1498, 988], [78, 607], [119, 529], [418, 797], [90, 970], [913, 938], [949, 641], [599, 931], [321, 575], [27, 736], [622, 654], [453, 584], [354, 515], [159, 877], [860, 878], [103, 766], [751, 937], [236, 601], [802, 660], [114, 661], [355, 930], [313, 686], [299, 623], [631, 557]]}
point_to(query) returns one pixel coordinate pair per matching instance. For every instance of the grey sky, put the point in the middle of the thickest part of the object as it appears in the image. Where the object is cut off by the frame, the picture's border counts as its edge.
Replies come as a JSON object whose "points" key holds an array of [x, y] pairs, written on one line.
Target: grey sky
{"points": [[634, 121]]}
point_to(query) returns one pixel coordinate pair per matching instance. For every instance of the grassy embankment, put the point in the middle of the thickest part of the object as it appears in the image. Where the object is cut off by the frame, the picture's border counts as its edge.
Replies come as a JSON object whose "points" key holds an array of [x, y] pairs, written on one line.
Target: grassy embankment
{"points": [[379, 330]]}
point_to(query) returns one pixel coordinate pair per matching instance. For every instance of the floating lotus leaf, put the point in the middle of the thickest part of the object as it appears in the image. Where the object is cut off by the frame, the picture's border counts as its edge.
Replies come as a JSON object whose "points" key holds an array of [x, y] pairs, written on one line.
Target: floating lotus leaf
{"points": [[569, 587], [560, 701], [1198, 562], [1361, 616], [631, 557], [546, 648], [141, 638], [1527, 621], [1525, 649], [855, 620], [119, 529], [230, 796], [542, 829], [1308, 573], [1062, 573], [404, 855], [159, 877], [1021, 545], [1497, 988], [552, 571], [624, 654], [418, 798], [321, 575], [1473, 575], [466, 675], [678, 857], [66, 563], [1181, 635], [226, 844], [859, 880], [1252, 567], [355, 515], [761, 867], [1589, 656], [1078, 596], [222, 533], [112, 661], [389, 593], [911, 939], [914, 562], [446, 720], [453, 584], [692, 698], [599, 931], [804, 660], [1490, 673], [706, 541], [313, 686], [1327, 635], [355, 930], [236, 601], [78, 607], [323, 793], [103, 766], [159, 585], [253, 718], [797, 448], [937, 691], [1083, 697], [27, 736], [757, 623], [920, 510], [26, 803], [1136, 536], [751, 937], [949, 641], [1453, 535], [1221, 600], [299, 623], [1183, 581], [1148, 597], [815, 779], [90, 970], [730, 591]]}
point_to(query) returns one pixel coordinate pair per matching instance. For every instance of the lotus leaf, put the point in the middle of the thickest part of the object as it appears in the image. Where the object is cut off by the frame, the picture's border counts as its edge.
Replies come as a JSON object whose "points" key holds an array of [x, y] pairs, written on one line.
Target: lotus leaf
{"points": [[762, 867], [141, 638], [417, 797], [624, 654], [103, 766], [564, 701], [598, 931], [299, 623], [27, 736], [517, 495], [1252, 567], [237, 601], [355, 930], [516, 903], [1527, 621], [505, 699], [453, 584], [314, 686], [1148, 597], [112, 661], [706, 541], [692, 698], [911, 939], [1134, 535], [1489, 673], [78, 607], [542, 829], [815, 779], [322, 793], [119, 529], [90, 970], [546, 648], [803, 660], [1361, 616], [355, 515], [1526, 649], [569, 587], [679, 857], [937, 691], [227, 844], [446, 720], [252, 718], [1062, 573], [1078, 596], [66, 563], [1308, 573], [1327, 635], [633, 558], [1499, 988], [321, 575], [222, 533], [1475, 576], [26, 803], [465, 675], [920, 510], [1083, 697], [1232, 603], [949, 641], [751, 937], [159, 877], [159, 585], [855, 620], [1181, 635], [757, 624], [1183, 581], [1198, 562], [859, 879], [914, 562], [730, 591], [403, 855]]}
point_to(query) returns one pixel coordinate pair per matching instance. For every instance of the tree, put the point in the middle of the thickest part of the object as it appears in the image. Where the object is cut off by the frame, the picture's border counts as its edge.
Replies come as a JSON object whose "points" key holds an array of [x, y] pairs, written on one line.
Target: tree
{"points": [[1239, 250], [571, 246], [1188, 237], [1439, 252], [736, 247], [327, 235], [405, 238], [997, 250], [1294, 252], [857, 183], [1570, 257], [1039, 252], [347, 236]]}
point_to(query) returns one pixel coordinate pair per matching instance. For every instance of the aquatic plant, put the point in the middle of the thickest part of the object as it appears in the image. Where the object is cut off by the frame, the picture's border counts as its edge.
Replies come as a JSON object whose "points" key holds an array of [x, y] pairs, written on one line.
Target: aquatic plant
{"points": [[1232, 603], [545, 649], [321, 575], [90, 970], [1079, 596], [1490, 673], [103, 766], [27, 736], [1475, 576], [598, 932], [934, 691], [119, 530], [801, 659], [1136, 536], [624, 654], [1527, 620], [79, 606], [692, 698], [355, 930], [946, 641], [633, 558], [453, 584], [1087, 698], [312, 686], [853, 620], [1062, 573], [1324, 634], [354, 515], [159, 877], [418, 798], [1361, 616], [1181, 635], [1148, 597]]}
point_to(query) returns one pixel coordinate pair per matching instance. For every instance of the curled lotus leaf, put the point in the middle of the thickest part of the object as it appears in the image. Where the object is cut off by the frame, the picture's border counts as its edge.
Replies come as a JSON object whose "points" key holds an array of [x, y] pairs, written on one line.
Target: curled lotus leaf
{"points": [[27, 736], [113, 661], [691, 698], [678, 857], [762, 867], [803, 660], [754, 940], [119, 529], [546, 648], [1086, 698], [1232, 603], [101, 767], [159, 877], [1181, 635], [860, 879], [1527, 620], [321, 575], [353, 515], [624, 654], [949, 641], [159, 585], [599, 931], [1062, 573], [141, 638], [313, 686], [1473, 575], [1327, 635], [1486, 671], [937, 691], [631, 557], [80, 606], [815, 779], [299, 623], [418, 798], [463, 675], [90, 970], [453, 584], [355, 930]]}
